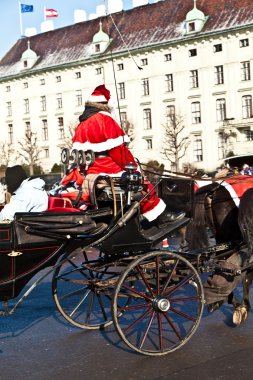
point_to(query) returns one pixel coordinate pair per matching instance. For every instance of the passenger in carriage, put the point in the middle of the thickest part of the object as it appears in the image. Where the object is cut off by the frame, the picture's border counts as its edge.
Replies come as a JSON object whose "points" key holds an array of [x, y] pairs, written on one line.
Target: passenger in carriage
{"points": [[27, 194], [246, 170], [99, 132]]}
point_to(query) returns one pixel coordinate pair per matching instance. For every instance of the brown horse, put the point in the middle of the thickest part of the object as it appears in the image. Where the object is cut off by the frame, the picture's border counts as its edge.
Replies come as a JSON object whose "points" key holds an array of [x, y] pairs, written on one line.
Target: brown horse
{"points": [[216, 208]]}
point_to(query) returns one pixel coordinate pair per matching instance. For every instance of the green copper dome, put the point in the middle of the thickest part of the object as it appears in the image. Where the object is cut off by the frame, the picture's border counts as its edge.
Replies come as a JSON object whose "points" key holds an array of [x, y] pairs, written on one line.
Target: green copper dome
{"points": [[195, 14], [29, 53], [100, 36]]}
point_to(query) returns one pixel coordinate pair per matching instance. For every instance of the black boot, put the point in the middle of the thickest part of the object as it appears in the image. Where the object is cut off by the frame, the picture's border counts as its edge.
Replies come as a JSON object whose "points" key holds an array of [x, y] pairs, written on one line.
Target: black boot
{"points": [[168, 217]]}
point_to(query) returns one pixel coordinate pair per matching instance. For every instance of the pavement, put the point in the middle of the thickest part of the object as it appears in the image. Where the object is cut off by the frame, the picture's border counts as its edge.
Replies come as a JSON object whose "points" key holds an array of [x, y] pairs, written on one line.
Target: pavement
{"points": [[37, 344]]}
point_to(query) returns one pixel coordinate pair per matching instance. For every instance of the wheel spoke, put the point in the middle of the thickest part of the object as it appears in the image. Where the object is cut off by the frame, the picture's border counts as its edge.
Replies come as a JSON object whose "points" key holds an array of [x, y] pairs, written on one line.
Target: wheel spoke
{"points": [[183, 299], [102, 307], [183, 314], [134, 307], [147, 329], [67, 295], [138, 293], [145, 280], [157, 262], [160, 331], [90, 307], [80, 303], [138, 320], [168, 280], [172, 326], [179, 285]]}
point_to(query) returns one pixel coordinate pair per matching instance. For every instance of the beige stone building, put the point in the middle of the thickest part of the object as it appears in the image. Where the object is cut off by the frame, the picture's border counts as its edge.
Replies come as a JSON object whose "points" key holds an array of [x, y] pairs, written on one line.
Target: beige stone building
{"points": [[167, 59]]}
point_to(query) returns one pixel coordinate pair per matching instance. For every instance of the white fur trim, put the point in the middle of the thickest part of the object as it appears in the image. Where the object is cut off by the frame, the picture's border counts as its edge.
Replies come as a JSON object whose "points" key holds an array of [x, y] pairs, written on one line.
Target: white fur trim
{"points": [[102, 146], [231, 191], [96, 99], [156, 211]]}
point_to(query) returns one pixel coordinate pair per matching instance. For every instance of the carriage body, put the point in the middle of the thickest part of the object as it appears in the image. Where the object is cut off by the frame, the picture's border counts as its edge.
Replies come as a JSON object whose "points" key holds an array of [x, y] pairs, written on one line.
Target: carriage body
{"points": [[110, 270]]}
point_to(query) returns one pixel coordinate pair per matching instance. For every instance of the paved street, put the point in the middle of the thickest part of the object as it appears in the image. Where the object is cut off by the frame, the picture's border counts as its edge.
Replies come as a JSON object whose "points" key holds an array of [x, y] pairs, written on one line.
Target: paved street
{"points": [[37, 344]]}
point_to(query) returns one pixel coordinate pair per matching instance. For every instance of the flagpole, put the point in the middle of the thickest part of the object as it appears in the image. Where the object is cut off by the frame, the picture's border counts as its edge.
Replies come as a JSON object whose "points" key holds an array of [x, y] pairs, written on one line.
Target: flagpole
{"points": [[45, 13], [20, 19]]}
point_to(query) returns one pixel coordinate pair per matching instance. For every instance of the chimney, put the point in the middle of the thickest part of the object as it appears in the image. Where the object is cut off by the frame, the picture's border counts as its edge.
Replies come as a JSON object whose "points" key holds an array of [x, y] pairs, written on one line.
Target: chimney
{"points": [[137, 3], [46, 26], [115, 6], [100, 10], [29, 32], [92, 16], [79, 15]]}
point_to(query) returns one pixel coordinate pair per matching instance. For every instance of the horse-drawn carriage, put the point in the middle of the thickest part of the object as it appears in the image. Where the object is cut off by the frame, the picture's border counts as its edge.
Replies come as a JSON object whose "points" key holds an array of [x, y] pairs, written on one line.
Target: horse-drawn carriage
{"points": [[108, 269]]}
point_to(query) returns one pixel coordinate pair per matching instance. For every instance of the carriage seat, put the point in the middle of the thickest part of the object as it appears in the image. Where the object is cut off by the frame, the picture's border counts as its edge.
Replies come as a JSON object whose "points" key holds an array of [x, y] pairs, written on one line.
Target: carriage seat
{"points": [[60, 204]]}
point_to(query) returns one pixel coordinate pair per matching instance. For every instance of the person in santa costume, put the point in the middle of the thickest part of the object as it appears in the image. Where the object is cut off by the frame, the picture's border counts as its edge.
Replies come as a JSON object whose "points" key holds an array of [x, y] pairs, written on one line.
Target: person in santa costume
{"points": [[98, 131]]}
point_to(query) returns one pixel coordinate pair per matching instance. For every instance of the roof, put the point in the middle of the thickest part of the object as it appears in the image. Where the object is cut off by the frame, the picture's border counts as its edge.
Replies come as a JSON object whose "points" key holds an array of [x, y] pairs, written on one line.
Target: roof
{"points": [[141, 26]]}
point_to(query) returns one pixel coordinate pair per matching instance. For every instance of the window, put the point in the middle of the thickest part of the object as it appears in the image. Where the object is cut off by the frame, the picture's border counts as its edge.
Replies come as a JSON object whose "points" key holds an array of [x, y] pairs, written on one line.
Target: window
{"points": [[8, 88], [248, 134], [98, 70], [191, 26], [221, 146], [148, 143], [27, 127], [120, 66], [10, 133], [43, 103], [167, 57], [123, 119], [169, 82], [246, 106], [170, 114], [79, 98], [42, 82], [147, 118], [217, 48], [26, 106], [97, 48], [194, 81], [218, 75], [121, 88], [44, 130], [25, 64], [61, 128], [245, 70], [9, 109], [196, 113], [46, 153], [192, 52], [78, 74], [244, 42], [59, 101], [145, 86], [220, 109], [58, 78], [144, 62], [197, 149], [25, 84]]}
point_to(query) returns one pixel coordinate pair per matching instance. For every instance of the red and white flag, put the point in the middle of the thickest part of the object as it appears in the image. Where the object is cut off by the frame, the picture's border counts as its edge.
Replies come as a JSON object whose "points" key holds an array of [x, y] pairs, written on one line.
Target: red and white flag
{"points": [[50, 13]]}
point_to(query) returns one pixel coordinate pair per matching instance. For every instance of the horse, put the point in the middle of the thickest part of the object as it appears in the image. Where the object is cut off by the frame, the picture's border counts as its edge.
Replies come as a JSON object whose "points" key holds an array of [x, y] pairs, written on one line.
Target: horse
{"points": [[218, 206]]}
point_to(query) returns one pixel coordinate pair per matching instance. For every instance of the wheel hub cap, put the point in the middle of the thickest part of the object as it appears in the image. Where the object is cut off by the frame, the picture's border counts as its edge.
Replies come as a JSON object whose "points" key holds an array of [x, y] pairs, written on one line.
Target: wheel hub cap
{"points": [[163, 304]]}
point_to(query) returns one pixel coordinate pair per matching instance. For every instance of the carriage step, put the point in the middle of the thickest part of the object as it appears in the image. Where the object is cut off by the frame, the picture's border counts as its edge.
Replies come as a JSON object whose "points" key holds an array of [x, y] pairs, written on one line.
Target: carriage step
{"points": [[156, 234]]}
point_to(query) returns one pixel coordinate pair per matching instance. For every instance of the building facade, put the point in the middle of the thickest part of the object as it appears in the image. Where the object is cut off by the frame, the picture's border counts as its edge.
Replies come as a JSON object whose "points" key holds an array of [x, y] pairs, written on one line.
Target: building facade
{"points": [[162, 61]]}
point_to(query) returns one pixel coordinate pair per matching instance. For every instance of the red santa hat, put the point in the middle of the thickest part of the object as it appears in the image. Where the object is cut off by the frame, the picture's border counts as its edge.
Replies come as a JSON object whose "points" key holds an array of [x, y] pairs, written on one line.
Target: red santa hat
{"points": [[100, 95]]}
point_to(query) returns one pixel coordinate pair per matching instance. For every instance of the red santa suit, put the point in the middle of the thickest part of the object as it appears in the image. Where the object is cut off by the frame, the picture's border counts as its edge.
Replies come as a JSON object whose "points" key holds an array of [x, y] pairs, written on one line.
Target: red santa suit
{"points": [[99, 132]]}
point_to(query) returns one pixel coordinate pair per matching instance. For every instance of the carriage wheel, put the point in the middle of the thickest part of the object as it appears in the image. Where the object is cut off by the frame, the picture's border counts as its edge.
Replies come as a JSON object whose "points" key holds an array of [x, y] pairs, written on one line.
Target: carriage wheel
{"points": [[166, 305], [82, 291]]}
